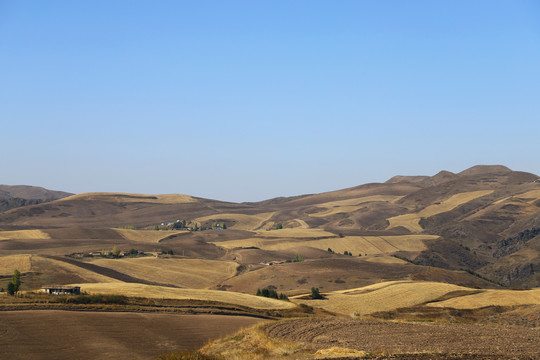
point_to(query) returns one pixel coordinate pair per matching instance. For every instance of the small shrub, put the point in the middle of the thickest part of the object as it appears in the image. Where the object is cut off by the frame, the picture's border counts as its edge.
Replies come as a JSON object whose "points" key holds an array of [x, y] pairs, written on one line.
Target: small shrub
{"points": [[315, 294], [298, 258], [279, 226], [340, 235]]}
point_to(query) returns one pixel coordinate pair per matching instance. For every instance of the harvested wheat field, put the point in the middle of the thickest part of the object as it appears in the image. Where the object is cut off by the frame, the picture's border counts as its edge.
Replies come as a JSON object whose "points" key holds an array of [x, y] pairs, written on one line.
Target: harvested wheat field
{"points": [[238, 221], [369, 245], [48, 334], [477, 341], [161, 292], [411, 221], [148, 236], [8, 264], [188, 273], [23, 234], [381, 297], [298, 232], [492, 298], [350, 205]]}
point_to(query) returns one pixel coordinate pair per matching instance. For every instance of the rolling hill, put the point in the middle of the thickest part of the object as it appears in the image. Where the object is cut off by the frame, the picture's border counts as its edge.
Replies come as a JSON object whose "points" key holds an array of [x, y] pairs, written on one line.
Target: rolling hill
{"points": [[23, 195], [485, 220]]}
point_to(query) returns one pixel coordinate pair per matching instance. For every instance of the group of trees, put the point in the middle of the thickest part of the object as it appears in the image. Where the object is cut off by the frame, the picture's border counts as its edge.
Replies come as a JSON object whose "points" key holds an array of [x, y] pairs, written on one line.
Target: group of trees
{"points": [[271, 293], [346, 252], [15, 283]]}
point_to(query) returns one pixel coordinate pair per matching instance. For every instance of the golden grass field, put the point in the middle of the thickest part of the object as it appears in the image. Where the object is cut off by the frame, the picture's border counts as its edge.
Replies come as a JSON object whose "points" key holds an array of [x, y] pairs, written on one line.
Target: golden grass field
{"points": [[298, 232], [492, 297], [8, 264], [23, 234], [350, 205], [529, 196], [411, 221], [161, 292], [189, 273], [126, 197], [148, 236], [381, 297], [356, 244], [241, 221]]}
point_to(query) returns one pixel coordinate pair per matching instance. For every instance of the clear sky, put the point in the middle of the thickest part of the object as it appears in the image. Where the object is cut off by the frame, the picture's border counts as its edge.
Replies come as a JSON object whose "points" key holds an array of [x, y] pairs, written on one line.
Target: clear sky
{"points": [[248, 100]]}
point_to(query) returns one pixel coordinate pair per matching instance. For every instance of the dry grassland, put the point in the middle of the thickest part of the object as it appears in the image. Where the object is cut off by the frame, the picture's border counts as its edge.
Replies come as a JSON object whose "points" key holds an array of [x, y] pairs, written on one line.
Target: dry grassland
{"points": [[8, 264], [356, 244], [126, 198], [530, 196], [295, 233], [411, 221], [23, 234], [242, 221], [384, 259], [525, 209], [350, 205], [492, 297], [381, 297], [189, 273], [161, 292], [147, 236]]}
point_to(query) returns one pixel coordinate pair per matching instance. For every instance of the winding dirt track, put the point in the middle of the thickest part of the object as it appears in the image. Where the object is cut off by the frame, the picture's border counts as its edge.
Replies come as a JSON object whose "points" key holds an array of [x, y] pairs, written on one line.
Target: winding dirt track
{"points": [[51, 334], [483, 341]]}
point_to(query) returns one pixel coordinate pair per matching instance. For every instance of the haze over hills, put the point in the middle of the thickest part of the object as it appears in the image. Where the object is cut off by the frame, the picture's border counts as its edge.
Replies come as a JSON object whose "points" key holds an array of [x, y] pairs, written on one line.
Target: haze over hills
{"points": [[485, 219]]}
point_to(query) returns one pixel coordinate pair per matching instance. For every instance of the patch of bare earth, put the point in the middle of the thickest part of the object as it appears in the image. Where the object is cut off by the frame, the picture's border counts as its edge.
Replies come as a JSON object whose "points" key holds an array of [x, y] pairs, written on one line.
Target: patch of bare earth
{"points": [[439, 340], [49, 334]]}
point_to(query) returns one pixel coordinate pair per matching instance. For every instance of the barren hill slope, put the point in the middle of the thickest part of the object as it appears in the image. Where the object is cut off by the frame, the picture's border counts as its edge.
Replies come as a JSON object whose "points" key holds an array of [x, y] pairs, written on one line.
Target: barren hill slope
{"points": [[12, 196]]}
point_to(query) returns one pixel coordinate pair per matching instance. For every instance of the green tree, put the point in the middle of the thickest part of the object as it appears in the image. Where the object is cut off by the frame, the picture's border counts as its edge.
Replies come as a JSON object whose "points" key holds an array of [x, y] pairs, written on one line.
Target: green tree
{"points": [[279, 226], [11, 288], [156, 227], [340, 235], [298, 258], [224, 226], [315, 294], [330, 250], [115, 252], [16, 280]]}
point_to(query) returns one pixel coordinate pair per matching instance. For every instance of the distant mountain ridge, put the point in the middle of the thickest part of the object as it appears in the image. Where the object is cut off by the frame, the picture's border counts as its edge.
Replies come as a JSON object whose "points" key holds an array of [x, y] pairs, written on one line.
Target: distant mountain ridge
{"points": [[13, 196]]}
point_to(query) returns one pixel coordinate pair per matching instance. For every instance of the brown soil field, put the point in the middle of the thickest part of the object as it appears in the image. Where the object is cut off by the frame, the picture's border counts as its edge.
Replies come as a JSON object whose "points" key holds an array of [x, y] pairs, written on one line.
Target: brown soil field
{"points": [[342, 272], [483, 341], [49, 334]]}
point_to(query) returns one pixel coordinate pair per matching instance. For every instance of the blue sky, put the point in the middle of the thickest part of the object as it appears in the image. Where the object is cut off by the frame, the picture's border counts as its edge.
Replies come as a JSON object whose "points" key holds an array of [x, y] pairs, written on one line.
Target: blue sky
{"points": [[248, 100]]}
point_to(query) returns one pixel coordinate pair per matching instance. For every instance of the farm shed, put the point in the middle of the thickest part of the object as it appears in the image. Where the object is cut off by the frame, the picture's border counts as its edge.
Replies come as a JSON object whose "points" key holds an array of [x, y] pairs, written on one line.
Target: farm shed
{"points": [[62, 289]]}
